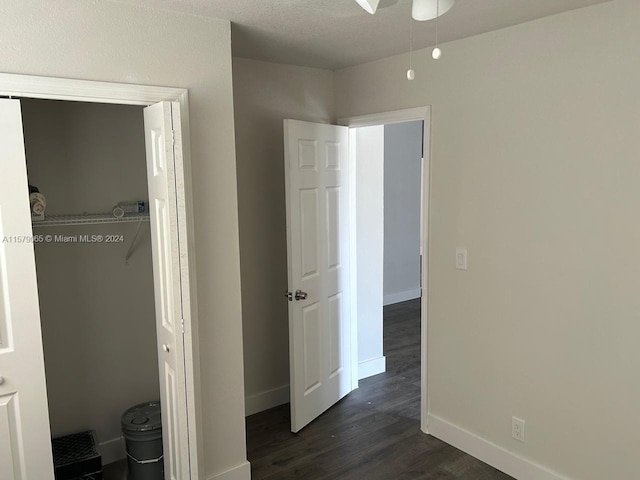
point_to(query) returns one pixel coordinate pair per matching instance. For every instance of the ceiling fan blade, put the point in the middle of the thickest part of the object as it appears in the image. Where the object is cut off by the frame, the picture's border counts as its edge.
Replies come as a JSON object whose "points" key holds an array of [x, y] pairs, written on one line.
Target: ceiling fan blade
{"points": [[369, 5]]}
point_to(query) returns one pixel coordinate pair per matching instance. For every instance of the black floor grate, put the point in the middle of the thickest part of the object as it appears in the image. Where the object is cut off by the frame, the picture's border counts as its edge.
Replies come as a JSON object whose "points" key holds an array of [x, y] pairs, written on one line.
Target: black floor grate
{"points": [[76, 457]]}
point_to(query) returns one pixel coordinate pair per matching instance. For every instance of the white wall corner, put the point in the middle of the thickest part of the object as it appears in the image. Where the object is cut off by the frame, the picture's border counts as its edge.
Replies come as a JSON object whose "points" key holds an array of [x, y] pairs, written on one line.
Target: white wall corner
{"points": [[490, 453], [372, 367], [259, 402], [112, 450], [398, 297], [239, 472]]}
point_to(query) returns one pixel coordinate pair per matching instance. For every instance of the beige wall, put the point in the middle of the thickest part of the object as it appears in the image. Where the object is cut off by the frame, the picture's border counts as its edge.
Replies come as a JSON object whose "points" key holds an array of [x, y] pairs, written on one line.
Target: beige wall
{"points": [[266, 94], [97, 312], [99, 40], [536, 172]]}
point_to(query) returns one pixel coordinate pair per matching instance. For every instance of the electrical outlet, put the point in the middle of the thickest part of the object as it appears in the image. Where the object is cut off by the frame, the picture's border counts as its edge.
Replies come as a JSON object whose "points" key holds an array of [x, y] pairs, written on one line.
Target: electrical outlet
{"points": [[518, 429]]}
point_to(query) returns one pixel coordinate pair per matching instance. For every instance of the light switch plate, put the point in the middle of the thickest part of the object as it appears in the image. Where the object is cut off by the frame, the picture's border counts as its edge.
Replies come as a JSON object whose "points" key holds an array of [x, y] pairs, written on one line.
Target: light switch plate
{"points": [[461, 258]]}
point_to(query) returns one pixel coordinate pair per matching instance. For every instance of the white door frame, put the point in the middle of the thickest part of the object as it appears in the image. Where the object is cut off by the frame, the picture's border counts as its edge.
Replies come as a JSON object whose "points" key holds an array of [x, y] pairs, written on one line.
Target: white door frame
{"points": [[27, 86], [385, 118]]}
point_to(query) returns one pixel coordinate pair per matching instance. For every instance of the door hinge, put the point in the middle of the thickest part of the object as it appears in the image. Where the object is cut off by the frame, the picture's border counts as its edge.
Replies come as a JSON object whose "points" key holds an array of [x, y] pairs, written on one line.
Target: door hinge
{"points": [[173, 137], [182, 324]]}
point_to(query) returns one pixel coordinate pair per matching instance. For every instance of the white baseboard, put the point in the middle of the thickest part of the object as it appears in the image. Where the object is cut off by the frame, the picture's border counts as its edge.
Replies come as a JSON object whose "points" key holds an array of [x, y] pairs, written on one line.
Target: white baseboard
{"points": [[240, 472], [112, 450], [372, 367], [496, 456], [398, 297], [262, 401]]}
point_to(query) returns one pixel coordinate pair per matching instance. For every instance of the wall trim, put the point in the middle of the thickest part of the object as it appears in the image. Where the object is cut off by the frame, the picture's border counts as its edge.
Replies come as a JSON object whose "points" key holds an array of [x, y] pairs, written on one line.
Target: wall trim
{"points": [[398, 297], [496, 456], [239, 472], [259, 402], [112, 450], [372, 367], [385, 118], [32, 86]]}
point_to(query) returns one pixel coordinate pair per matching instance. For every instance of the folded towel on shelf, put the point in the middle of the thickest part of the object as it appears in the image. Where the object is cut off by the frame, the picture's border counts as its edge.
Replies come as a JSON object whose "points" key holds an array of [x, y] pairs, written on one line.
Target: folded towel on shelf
{"points": [[38, 203]]}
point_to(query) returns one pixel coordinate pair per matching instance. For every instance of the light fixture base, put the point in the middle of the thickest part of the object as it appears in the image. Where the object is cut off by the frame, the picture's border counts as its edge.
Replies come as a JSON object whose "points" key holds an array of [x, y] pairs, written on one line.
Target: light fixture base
{"points": [[424, 10]]}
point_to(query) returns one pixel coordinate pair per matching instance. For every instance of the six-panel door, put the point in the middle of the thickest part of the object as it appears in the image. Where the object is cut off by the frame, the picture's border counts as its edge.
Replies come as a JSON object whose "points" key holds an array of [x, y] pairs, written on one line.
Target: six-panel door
{"points": [[163, 143], [25, 441], [317, 186]]}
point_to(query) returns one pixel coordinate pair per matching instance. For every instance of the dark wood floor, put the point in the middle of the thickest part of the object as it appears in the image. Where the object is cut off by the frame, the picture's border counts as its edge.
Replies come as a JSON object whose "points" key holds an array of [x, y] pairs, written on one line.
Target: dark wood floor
{"points": [[373, 433], [115, 471]]}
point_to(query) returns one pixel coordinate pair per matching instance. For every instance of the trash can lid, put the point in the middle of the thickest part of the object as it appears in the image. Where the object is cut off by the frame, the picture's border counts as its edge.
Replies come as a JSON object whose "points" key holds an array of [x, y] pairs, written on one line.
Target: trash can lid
{"points": [[142, 418]]}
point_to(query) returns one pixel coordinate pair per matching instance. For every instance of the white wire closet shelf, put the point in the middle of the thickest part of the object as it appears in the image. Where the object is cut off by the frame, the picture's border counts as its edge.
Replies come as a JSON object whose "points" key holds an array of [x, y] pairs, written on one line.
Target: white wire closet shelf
{"points": [[89, 219], [96, 219]]}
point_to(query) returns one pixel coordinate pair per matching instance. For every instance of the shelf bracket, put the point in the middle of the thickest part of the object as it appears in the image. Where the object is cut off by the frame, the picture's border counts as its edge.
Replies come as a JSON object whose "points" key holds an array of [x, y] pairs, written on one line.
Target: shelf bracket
{"points": [[134, 242]]}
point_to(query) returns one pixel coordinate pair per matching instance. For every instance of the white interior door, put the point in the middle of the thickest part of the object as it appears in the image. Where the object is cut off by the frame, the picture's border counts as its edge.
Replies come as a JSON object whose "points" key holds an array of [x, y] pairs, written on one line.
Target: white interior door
{"points": [[25, 438], [164, 148], [317, 195]]}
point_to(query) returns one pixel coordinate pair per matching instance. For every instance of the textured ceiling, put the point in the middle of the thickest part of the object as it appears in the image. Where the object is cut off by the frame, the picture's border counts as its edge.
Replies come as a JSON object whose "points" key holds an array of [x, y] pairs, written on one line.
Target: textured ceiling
{"points": [[337, 33]]}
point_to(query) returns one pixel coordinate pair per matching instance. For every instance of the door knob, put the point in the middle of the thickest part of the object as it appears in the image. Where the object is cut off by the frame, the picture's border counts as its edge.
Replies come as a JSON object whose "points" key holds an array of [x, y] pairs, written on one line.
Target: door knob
{"points": [[1, 380], [166, 348], [289, 296], [300, 295]]}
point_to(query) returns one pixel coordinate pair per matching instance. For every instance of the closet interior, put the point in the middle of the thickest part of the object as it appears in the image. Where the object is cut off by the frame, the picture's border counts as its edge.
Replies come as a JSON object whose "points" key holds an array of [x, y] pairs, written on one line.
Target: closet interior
{"points": [[95, 272]]}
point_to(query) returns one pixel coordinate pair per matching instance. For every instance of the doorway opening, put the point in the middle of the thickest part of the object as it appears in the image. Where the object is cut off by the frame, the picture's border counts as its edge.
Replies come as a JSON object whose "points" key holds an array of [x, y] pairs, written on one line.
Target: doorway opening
{"points": [[170, 361], [324, 192], [331, 176], [414, 126], [95, 280], [388, 190]]}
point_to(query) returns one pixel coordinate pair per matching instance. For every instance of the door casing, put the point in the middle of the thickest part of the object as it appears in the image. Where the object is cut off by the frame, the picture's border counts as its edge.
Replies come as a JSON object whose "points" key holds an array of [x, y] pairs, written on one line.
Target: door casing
{"points": [[27, 86], [385, 118]]}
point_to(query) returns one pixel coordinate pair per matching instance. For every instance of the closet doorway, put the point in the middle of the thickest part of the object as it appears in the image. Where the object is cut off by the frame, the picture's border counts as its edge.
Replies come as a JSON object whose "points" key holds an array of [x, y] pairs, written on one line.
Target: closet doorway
{"points": [[25, 448]]}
